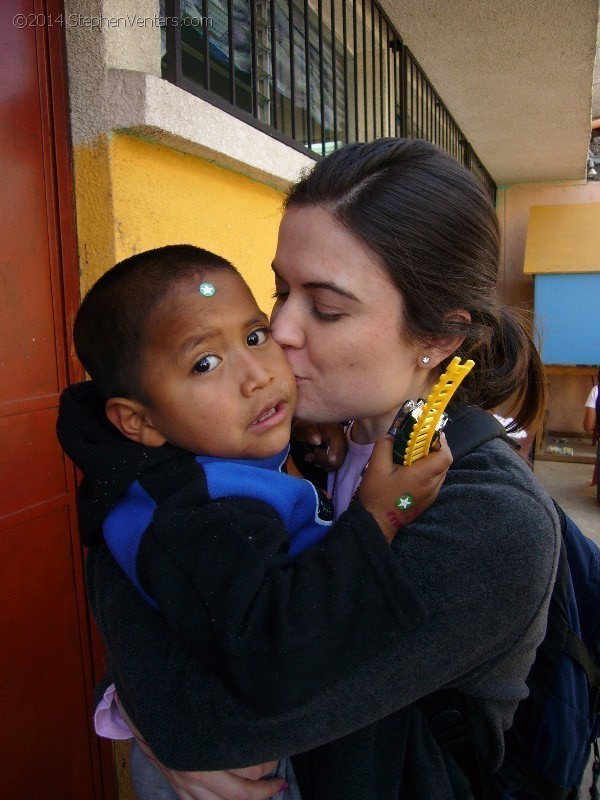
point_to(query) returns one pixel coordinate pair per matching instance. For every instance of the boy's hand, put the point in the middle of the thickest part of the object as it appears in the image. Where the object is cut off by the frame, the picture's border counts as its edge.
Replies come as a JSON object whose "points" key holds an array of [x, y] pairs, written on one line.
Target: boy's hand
{"points": [[396, 495], [326, 442]]}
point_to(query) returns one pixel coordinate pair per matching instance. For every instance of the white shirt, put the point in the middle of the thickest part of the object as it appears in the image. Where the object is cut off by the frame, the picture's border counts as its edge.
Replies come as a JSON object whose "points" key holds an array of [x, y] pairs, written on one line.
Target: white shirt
{"points": [[592, 397]]}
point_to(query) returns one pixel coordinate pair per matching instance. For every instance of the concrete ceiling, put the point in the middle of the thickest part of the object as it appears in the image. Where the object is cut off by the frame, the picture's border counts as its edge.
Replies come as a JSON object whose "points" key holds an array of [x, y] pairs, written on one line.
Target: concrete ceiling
{"points": [[516, 75]]}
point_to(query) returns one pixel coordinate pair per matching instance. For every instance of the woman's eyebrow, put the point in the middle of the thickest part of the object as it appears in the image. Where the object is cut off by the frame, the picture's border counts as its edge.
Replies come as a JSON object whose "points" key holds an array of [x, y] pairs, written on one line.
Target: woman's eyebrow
{"points": [[322, 285], [332, 288]]}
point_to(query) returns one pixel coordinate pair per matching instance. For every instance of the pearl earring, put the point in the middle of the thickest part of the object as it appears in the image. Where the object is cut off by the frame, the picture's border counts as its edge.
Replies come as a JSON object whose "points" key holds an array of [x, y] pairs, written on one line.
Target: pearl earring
{"points": [[425, 359]]}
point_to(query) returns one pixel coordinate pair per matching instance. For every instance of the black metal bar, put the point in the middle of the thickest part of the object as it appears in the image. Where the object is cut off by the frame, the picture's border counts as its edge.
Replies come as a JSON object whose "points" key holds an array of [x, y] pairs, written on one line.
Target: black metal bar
{"points": [[412, 99], [381, 103], [173, 62], [206, 46], [334, 74], [273, 41], [373, 70], [423, 107], [430, 109], [345, 46], [321, 77], [364, 26], [355, 35], [404, 88], [231, 52], [292, 67], [307, 66], [389, 81], [254, 79], [427, 113]]}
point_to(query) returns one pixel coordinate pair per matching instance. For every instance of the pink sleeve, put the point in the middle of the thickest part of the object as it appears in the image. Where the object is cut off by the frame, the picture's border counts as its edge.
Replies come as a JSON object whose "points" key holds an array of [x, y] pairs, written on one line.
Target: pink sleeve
{"points": [[108, 721]]}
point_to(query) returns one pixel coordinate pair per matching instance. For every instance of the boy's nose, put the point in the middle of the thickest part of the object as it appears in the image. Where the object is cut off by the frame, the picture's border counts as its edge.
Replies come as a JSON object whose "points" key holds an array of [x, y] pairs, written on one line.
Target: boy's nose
{"points": [[255, 375], [285, 327]]}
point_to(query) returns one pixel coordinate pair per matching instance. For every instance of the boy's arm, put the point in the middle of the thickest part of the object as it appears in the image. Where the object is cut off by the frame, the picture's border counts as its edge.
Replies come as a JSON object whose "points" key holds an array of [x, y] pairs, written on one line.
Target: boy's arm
{"points": [[276, 629]]}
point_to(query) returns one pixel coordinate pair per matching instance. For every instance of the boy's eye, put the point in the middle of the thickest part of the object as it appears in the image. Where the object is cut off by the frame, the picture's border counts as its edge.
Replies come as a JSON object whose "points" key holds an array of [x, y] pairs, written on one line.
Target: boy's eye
{"points": [[207, 364], [259, 336]]}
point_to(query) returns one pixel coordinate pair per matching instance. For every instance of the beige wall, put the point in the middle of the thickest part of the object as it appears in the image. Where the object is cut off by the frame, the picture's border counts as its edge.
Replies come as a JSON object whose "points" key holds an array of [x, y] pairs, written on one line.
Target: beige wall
{"points": [[513, 204]]}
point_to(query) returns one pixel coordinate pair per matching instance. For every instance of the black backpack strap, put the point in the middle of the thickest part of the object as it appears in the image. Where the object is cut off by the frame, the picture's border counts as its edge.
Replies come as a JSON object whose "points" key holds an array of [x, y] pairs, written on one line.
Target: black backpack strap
{"points": [[449, 724], [468, 427]]}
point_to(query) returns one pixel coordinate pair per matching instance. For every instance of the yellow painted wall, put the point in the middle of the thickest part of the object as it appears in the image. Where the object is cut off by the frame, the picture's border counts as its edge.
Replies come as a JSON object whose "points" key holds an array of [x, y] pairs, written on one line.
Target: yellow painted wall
{"points": [[563, 238], [132, 195]]}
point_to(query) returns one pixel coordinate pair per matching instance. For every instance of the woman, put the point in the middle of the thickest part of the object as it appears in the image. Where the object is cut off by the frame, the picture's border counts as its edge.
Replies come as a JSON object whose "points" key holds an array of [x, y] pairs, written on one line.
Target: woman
{"points": [[386, 267]]}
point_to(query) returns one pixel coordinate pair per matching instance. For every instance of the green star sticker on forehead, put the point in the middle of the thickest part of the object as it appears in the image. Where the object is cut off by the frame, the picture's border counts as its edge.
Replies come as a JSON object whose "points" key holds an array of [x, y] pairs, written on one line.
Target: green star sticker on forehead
{"points": [[404, 501], [207, 289]]}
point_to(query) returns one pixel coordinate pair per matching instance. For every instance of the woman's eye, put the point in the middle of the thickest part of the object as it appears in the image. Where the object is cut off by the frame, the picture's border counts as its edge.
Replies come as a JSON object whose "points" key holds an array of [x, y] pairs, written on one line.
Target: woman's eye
{"points": [[280, 296], [207, 364], [257, 337], [326, 316]]}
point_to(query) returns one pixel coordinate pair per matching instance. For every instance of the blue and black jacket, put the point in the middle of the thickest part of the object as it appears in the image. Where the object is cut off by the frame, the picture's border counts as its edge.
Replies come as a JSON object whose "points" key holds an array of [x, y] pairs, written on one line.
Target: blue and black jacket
{"points": [[232, 553]]}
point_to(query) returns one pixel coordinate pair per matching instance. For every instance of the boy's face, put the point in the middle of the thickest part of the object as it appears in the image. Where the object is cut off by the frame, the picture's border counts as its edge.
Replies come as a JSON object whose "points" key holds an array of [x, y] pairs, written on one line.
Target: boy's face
{"points": [[217, 382]]}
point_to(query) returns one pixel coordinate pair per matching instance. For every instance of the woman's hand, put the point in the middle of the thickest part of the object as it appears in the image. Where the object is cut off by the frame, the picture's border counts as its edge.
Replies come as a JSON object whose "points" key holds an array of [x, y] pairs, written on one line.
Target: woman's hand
{"points": [[236, 784], [326, 443], [239, 784], [396, 495]]}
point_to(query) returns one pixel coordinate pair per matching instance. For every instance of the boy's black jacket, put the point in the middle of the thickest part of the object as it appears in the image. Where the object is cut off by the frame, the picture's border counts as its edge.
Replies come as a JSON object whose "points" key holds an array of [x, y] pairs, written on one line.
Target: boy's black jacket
{"points": [[221, 575]]}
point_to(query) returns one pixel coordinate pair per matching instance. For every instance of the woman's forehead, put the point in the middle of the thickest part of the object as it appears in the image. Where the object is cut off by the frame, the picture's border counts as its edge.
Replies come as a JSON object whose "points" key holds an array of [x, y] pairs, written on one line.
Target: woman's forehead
{"points": [[313, 246]]}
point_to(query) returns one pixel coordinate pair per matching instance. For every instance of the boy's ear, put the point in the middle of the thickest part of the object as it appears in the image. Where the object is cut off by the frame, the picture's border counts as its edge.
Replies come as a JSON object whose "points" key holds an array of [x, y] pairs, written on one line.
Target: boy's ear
{"points": [[443, 346], [129, 417]]}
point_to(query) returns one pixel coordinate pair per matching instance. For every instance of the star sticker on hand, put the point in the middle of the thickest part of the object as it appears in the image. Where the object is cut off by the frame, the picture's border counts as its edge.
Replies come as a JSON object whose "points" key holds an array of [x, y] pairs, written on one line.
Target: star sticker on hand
{"points": [[404, 501]]}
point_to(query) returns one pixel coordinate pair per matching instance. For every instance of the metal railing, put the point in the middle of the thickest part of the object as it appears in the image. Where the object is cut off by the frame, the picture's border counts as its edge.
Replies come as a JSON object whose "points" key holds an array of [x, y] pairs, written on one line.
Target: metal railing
{"points": [[314, 73]]}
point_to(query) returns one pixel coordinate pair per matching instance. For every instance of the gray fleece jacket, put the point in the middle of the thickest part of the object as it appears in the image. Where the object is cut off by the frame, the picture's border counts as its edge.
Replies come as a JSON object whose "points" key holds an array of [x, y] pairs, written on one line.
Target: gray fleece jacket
{"points": [[482, 560]]}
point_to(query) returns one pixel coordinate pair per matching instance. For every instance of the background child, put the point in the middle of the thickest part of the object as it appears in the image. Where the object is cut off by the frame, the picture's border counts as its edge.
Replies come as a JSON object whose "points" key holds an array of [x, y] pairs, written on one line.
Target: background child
{"points": [[182, 439]]}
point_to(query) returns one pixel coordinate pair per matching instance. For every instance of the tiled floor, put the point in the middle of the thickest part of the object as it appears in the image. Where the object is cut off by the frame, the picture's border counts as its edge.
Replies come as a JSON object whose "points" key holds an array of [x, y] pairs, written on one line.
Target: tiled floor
{"points": [[569, 485]]}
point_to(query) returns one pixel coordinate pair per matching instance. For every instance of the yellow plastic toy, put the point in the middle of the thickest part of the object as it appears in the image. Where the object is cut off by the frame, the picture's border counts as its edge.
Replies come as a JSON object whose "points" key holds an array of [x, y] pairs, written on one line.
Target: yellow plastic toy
{"points": [[430, 417]]}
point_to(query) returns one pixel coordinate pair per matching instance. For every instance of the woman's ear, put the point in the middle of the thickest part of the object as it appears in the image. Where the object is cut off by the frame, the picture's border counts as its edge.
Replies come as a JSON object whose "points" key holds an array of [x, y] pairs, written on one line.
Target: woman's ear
{"points": [[441, 347], [129, 417]]}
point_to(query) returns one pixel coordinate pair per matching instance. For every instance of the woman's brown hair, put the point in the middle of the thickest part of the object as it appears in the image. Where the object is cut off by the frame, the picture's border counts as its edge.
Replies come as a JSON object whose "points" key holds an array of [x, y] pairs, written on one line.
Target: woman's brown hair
{"points": [[435, 228]]}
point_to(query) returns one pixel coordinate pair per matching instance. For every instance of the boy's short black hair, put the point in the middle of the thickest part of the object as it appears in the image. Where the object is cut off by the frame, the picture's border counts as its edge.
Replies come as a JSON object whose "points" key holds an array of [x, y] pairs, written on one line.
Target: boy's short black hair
{"points": [[109, 332]]}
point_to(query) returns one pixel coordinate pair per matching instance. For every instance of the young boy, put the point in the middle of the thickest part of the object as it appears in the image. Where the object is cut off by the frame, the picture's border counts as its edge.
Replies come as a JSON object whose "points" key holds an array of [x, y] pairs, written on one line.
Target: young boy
{"points": [[182, 439]]}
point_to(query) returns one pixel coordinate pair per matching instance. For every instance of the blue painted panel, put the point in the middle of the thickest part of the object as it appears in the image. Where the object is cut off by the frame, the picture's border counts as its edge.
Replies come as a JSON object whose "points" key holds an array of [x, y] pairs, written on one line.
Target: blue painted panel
{"points": [[567, 313]]}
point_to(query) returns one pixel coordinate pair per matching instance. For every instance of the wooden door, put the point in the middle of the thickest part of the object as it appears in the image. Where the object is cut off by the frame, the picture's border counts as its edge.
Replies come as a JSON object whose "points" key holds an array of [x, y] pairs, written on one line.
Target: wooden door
{"points": [[47, 747]]}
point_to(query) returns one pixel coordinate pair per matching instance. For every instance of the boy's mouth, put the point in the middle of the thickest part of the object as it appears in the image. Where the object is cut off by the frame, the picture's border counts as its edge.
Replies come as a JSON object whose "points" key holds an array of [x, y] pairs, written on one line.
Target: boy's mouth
{"points": [[271, 414]]}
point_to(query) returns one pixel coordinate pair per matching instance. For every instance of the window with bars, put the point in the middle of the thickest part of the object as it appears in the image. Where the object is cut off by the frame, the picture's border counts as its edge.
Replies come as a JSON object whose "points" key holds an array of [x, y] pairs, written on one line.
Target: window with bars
{"points": [[315, 73]]}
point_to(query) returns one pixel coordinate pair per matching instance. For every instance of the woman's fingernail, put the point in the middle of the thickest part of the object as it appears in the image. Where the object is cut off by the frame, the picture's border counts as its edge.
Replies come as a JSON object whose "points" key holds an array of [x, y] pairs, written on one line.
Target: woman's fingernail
{"points": [[284, 786]]}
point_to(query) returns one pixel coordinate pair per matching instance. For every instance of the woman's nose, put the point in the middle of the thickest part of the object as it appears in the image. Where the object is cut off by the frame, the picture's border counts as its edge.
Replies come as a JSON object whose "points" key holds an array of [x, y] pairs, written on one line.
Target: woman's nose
{"points": [[285, 326]]}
